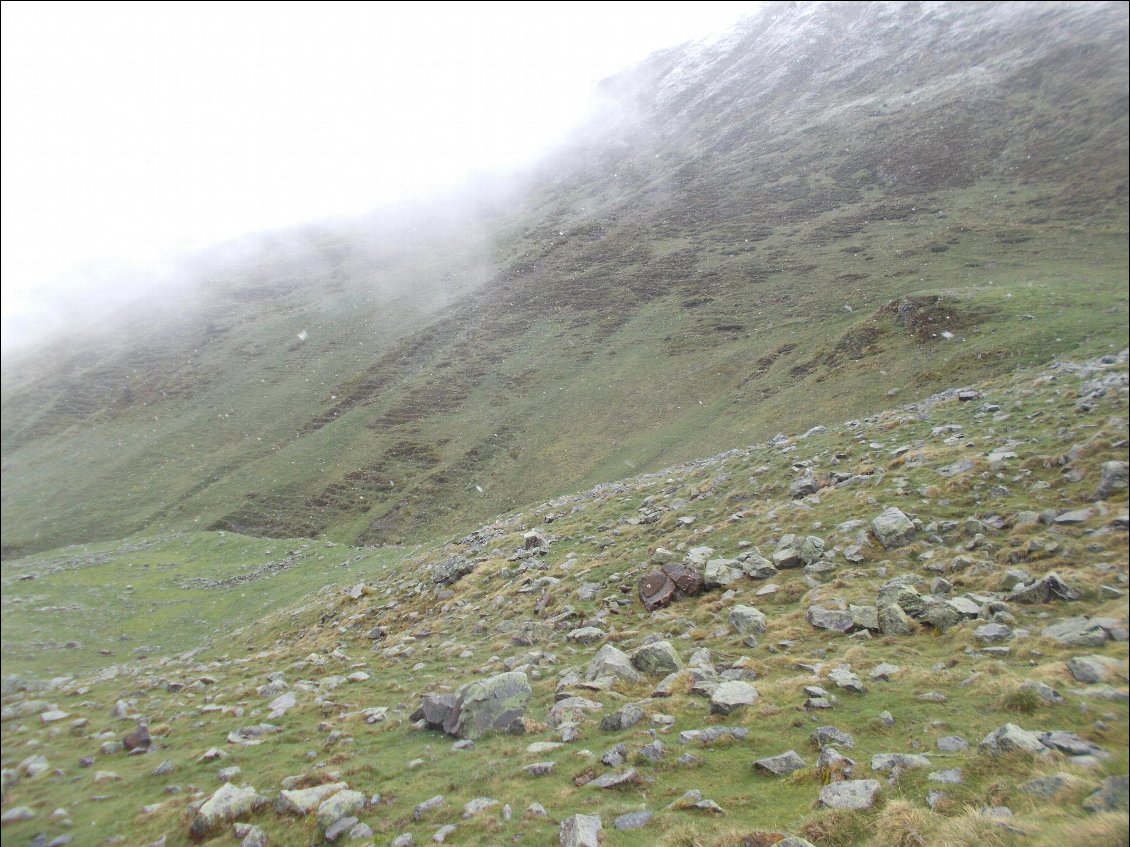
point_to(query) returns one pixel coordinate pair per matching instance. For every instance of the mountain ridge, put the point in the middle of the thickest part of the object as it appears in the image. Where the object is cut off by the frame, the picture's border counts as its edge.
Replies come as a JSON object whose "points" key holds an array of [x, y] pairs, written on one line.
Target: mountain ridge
{"points": [[720, 255]]}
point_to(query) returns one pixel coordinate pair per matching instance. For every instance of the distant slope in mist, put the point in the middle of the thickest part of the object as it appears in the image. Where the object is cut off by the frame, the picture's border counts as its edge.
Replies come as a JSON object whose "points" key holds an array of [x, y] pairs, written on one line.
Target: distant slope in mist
{"points": [[832, 205]]}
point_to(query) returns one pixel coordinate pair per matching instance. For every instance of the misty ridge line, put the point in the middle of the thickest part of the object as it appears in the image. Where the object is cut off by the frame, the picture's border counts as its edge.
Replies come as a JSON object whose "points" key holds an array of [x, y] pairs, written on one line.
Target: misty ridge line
{"points": [[382, 104], [788, 223]]}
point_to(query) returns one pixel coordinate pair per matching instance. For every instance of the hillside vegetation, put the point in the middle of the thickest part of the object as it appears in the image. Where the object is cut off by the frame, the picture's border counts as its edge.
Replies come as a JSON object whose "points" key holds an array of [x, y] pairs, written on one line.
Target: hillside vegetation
{"points": [[399, 530], [832, 206], [883, 653]]}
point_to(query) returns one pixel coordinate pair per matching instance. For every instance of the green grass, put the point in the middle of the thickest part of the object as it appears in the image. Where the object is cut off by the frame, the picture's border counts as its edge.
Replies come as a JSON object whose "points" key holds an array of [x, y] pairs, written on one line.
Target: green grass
{"points": [[325, 634], [648, 299], [98, 605], [590, 326]]}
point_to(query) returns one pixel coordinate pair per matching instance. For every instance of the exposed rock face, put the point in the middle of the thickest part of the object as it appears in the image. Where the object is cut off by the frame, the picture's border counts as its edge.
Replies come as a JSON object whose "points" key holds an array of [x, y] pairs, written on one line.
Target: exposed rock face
{"points": [[305, 800], [451, 570], [1112, 796], [832, 619], [138, 740], [1048, 587], [612, 662], [227, 804], [780, 765], [656, 658], [1115, 477], [1009, 738], [580, 831], [1091, 669], [435, 709], [746, 620], [670, 583], [490, 705], [731, 696], [1085, 632], [894, 621], [623, 718], [572, 709], [339, 805], [494, 704], [721, 573], [892, 528]]}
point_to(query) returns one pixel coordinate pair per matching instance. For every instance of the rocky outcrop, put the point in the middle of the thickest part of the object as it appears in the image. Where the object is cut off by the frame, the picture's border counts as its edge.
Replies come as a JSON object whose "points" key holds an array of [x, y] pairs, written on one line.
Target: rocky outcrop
{"points": [[495, 704]]}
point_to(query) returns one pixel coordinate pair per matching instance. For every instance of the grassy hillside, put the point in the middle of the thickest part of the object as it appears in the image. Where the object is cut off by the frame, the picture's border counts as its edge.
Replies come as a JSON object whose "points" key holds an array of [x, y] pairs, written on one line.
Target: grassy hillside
{"points": [[1018, 478], [835, 205]]}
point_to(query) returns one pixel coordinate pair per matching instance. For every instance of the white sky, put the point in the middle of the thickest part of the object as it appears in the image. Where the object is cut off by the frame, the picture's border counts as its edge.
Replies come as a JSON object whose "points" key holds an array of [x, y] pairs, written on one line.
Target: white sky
{"points": [[135, 131]]}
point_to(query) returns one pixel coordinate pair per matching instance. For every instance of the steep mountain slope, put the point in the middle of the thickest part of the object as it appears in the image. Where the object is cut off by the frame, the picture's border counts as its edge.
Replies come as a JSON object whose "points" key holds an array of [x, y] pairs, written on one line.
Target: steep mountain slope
{"points": [[922, 611], [832, 205]]}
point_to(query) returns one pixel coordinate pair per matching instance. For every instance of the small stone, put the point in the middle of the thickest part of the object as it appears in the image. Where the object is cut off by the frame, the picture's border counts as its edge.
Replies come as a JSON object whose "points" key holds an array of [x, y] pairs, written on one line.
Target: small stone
{"points": [[850, 794], [429, 805], [731, 696], [833, 766], [479, 804], [1115, 476], [1049, 587], [830, 619], [952, 776], [1090, 669], [227, 804], [1009, 738], [654, 751], [616, 779], [612, 662], [846, 680], [997, 812], [657, 658], [302, 801], [828, 735], [1082, 631], [339, 828], [746, 620], [782, 764], [1047, 787], [580, 831], [889, 762], [586, 635], [623, 718], [616, 756], [632, 820], [992, 633], [341, 804], [952, 744], [893, 620], [892, 528], [884, 671], [1111, 796]]}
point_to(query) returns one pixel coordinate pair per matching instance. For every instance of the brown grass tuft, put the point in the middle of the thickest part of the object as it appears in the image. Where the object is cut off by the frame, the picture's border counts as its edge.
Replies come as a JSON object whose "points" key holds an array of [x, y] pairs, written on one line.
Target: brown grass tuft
{"points": [[901, 825]]}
